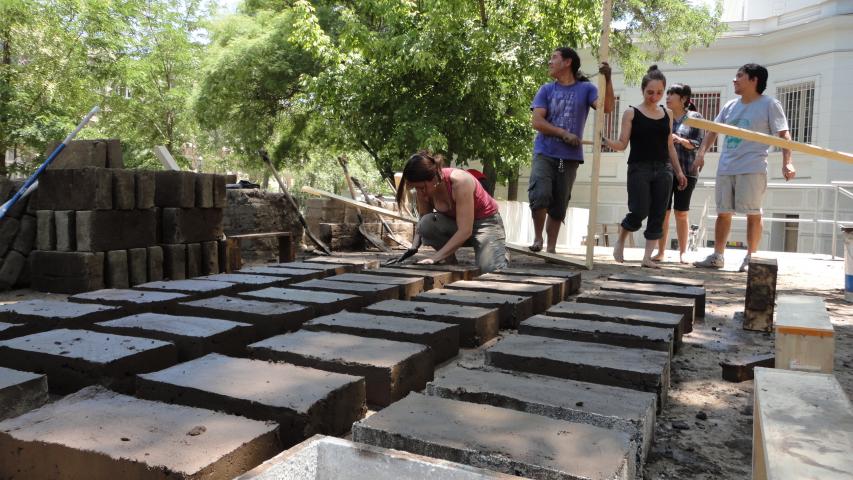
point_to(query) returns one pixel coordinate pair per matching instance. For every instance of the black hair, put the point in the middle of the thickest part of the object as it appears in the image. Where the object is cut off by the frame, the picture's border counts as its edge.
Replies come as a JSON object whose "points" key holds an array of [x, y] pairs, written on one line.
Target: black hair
{"points": [[754, 70], [684, 92], [420, 167], [653, 73], [570, 54]]}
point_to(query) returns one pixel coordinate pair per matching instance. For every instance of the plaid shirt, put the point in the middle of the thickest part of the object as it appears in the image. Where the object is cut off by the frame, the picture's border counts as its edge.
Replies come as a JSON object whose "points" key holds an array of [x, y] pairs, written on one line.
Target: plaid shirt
{"points": [[694, 135]]}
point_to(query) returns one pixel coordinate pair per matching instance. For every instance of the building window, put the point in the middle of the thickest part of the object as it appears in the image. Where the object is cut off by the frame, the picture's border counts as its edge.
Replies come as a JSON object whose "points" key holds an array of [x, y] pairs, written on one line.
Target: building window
{"points": [[611, 125], [798, 104], [707, 104]]}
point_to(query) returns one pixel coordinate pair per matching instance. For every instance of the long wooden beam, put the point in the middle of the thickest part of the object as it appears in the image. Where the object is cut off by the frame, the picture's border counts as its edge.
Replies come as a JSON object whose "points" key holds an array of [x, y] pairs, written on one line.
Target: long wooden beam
{"points": [[769, 139], [551, 257], [361, 205]]}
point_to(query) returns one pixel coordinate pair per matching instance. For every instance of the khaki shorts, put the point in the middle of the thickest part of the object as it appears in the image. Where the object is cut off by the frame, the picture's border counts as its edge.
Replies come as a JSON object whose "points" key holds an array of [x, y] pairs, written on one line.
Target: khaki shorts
{"points": [[742, 193]]}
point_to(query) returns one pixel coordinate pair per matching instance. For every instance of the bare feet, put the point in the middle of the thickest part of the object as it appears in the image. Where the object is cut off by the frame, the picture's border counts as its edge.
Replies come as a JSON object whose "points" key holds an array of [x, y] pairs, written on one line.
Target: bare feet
{"points": [[649, 263], [536, 247], [658, 257], [618, 251], [682, 259]]}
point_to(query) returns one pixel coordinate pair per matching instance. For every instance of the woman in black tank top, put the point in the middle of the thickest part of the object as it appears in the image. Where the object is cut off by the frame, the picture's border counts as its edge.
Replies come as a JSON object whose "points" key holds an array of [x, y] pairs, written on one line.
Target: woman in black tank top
{"points": [[651, 164]]}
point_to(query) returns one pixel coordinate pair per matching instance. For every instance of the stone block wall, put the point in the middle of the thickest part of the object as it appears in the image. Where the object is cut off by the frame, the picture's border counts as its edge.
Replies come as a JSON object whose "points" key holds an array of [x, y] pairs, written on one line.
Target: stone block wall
{"points": [[256, 211], [337, 224]]}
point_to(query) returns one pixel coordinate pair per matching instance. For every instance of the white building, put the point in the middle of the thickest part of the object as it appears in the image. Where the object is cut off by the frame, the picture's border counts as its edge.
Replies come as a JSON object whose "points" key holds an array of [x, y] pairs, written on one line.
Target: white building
{"points": [[807, 46]]}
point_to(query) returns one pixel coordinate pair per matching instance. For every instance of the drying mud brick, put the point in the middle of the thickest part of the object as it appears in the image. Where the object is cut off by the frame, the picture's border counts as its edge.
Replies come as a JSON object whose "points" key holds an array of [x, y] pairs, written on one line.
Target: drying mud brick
{"points": [[391, 369], [409, 287], [193, 336], [371, 292], [323, 303], [175, 261], [327, 268], [133, 301], [137, 264], [45, 230], [682, 306], [295, 274], [637, 369], [459, 272], [499, 439], [194, 260], [76, 189], [561, 286], [11, 330], [269, 318], [219, 192], [441, 338], [209, 258], [697, 294], [665, 280], [629, 316], [608, 333], [146, 440], [26, 238], [512, 309], [358, 263], [174, 189], [760, 294], [191, 225], [574, 278], [611, 408], [11, 269], [155, 263], [476, 325], [66, 272], [432, 279], [144, 189], [204, 190], [540, 294], [103, 230], [246, 282], [124, 189], [193, 288], [73, 359], [49, 314], [79, 154], [117, 275], [8, 230], [303, 401], [21, 392], [65, 228], [741, 369]]}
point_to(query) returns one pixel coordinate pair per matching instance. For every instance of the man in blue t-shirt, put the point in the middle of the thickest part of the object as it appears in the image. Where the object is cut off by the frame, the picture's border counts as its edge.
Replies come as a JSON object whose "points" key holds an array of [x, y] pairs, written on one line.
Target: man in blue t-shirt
{"points": [[742, 173], [559, 110]]}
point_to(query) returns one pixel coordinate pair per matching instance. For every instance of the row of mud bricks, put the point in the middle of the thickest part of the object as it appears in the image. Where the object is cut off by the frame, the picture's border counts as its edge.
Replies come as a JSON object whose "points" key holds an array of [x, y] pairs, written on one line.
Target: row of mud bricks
{"points": [[210, 377]]}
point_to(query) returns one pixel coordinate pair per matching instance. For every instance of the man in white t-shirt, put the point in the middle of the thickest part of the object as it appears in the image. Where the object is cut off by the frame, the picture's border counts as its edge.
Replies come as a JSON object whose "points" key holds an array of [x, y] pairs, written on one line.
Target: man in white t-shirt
{"points": [[742, 172]]}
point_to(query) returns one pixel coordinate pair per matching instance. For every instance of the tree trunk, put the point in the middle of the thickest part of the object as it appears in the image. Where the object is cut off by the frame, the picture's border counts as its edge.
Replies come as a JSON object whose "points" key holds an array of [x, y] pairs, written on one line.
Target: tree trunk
{"points": [[5, 97], [491, 175]]}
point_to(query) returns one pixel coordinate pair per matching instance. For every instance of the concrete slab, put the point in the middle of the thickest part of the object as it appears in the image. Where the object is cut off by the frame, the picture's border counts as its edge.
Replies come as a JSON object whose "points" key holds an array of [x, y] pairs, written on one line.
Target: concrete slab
{"points": [[194, 288], [459, 272], [512, 309], [321, 458], [629, 316], [102, 435], [608, 333], [372, 292], [358, 263], [574, 278], [391, 369], [560, 286], [682, 306], [643, 370], [661, 279], [303, 401], [476, 325], [697, 294], [323, 303], [193, 336], [132, 300], [21, 392], [243, 282], [432, 279], [294, 274], [11, 330], [442, 338], [499, 439], [603, 406], [31, 316], [540, 294], [73, 359], [269, 318], [409, 286], [327, 268]]}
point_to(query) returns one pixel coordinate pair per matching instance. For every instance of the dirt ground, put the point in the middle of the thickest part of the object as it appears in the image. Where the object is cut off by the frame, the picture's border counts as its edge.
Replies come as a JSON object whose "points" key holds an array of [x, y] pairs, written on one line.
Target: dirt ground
{"points": [[706, 430]]}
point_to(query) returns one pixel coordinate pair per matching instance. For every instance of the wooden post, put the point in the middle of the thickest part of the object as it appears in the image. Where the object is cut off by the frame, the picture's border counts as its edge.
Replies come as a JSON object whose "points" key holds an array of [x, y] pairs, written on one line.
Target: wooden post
{"points": [[603, 56]]}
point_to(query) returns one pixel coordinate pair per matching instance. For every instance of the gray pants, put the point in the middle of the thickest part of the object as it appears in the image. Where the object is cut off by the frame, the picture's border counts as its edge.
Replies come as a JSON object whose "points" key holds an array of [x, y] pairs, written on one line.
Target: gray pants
{"points": [[488, 238]]}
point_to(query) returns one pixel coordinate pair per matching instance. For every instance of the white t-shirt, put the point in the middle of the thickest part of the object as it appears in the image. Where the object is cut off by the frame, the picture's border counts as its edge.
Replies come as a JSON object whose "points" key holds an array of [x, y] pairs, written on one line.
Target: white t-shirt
{"points": [[763, 115]]}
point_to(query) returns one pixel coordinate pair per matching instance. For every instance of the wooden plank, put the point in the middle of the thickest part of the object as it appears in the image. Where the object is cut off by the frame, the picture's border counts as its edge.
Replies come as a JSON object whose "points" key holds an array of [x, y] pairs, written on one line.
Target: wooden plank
{"points": [[745, 134], [551, 257], [356, 203]]}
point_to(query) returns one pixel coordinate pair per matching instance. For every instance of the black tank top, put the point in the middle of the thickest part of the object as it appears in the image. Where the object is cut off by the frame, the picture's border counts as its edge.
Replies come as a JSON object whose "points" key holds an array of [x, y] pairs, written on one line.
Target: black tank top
{"points": [[649, 138]]}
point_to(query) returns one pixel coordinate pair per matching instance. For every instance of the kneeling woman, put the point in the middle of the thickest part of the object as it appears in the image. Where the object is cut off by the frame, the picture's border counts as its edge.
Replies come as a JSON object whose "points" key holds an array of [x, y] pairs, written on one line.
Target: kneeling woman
{"points": [[455, 211]]}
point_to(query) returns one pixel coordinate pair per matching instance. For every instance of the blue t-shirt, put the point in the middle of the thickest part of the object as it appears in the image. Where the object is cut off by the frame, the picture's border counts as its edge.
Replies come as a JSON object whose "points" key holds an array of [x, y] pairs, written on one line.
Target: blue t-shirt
{"points": [[566, 107], [763, 115]]}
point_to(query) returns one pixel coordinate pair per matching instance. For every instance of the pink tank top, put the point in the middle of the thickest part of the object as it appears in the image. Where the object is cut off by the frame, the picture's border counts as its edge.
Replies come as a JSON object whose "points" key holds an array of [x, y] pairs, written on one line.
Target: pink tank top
{"points": [[484, 204]]}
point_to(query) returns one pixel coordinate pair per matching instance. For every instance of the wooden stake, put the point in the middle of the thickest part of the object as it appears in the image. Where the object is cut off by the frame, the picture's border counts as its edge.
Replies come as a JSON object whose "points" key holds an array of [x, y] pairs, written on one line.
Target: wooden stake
{"points": [[551, 257], [356, 203]]}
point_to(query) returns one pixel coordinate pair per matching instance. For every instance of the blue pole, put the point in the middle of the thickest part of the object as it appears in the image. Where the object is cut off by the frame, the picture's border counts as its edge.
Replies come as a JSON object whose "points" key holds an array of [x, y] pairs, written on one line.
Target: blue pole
{"points": [[30, 181]]}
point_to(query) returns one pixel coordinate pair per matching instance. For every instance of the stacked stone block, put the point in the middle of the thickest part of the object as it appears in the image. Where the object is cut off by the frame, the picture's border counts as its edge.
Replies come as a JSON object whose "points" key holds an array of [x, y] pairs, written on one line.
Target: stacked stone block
{"points": [[17, 235], [337, 224]]}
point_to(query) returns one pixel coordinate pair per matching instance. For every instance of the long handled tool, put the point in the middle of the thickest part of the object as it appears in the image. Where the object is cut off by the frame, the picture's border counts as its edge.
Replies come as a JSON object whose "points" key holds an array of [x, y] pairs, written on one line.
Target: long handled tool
{"points": [[393, 236], [372, 239], [322, 246], [32, 180]]}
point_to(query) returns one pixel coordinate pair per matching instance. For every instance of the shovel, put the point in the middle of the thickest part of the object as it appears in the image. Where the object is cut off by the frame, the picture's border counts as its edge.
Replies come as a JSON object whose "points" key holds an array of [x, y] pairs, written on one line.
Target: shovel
{"points": [[373, 239], [322, 246]]}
